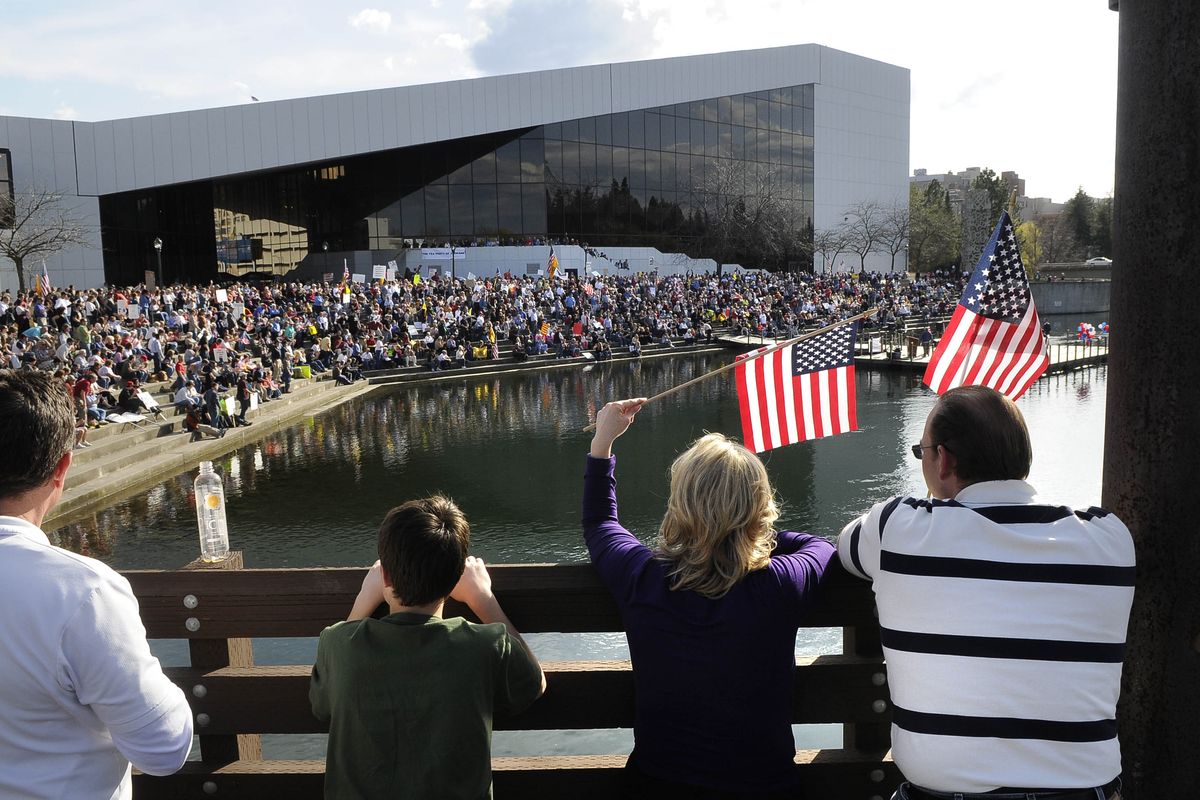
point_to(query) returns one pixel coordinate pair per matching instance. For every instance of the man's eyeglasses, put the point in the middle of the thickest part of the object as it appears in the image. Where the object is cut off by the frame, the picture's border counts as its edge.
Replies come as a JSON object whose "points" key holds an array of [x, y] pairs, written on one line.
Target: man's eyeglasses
{"points": [[918, 448]]}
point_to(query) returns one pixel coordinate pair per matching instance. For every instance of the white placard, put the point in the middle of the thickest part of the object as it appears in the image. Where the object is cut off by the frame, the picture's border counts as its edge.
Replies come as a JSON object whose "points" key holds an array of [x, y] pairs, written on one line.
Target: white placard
{"points": [[433, 272], [390, 275], [392, 265], [238, 310], [133, 312], [378, 271], [122, 304], [441, 253], [358, 277], [222, 295], [253, 401]]}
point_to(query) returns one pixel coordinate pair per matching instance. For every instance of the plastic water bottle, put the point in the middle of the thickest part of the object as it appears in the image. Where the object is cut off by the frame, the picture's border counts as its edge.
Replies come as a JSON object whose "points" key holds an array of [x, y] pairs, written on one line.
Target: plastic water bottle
{"points": [[210, 514]]}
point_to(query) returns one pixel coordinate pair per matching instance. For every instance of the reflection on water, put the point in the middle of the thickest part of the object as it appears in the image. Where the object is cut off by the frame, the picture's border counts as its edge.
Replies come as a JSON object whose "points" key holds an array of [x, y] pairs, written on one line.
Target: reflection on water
{"points": [[510, 450]]}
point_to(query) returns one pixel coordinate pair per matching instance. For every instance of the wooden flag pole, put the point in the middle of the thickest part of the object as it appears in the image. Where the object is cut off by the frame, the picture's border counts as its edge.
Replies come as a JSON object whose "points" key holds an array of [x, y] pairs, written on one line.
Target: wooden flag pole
{"points": [[740, 361]]}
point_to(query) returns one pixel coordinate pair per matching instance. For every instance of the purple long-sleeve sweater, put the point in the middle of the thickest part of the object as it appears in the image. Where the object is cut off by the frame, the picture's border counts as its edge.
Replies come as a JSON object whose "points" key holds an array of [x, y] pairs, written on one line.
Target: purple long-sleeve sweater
{"points": [[713, 677]]}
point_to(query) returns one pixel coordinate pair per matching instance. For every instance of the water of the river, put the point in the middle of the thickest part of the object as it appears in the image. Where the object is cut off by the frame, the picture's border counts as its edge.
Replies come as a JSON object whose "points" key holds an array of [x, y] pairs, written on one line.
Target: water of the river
{"points": [[510, 450]]}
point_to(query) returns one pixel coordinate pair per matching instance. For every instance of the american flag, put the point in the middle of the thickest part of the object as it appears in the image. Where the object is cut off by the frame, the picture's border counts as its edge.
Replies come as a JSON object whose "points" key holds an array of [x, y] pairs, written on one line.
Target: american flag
{"points": [[345, 271], [802, 391], [994, 338], [552, 263]]}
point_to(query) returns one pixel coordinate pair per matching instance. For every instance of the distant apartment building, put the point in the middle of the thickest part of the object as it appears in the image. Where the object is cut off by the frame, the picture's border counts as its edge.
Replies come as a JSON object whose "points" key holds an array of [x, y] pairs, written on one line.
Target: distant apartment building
{"points": [[958, 184]]}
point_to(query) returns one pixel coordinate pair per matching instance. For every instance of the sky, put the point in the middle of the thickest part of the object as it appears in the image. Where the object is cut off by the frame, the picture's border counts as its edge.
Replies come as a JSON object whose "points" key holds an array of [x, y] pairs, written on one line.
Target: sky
{"points": [[1025, 85]]}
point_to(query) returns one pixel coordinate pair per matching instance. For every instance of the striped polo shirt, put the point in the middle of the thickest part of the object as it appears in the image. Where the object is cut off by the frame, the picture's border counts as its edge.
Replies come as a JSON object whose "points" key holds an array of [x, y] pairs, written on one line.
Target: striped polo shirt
{"points": [[1003, 624]]}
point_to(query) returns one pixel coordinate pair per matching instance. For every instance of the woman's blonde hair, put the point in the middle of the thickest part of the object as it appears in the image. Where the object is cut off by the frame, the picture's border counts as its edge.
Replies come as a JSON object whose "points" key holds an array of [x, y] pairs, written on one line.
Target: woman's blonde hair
{"points": [[720, 516]]}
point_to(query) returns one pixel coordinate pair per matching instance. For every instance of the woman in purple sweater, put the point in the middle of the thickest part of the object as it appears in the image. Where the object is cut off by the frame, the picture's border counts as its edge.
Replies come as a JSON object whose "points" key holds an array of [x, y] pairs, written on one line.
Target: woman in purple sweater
{"points": [[711, 617]]}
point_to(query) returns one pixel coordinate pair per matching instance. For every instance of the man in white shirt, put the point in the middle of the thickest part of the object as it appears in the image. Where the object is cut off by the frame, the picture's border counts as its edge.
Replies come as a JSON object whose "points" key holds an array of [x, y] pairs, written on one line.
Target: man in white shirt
{"points": [[1002, 618], [80, 695]]}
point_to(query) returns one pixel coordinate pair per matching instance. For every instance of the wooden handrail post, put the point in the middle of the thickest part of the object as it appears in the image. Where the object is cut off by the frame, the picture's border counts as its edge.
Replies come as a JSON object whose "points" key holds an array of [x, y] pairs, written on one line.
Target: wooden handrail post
{"points": [[868, 737], [214, 654]]}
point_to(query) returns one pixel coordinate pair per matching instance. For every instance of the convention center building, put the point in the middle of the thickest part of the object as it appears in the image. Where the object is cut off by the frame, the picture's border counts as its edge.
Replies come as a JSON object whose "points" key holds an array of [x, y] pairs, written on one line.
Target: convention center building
{"points": [[625, 157]]}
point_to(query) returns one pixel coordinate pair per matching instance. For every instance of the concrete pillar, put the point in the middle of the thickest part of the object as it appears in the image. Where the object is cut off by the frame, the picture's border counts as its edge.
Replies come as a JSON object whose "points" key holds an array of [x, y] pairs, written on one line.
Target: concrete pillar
{"points": [[1152, 435]]}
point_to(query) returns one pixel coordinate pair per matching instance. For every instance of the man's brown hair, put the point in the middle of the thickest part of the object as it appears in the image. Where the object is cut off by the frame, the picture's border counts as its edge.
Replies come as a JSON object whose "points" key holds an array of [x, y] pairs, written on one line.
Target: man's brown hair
{"points": [[986, 433], [423, 547], [37, 426]]}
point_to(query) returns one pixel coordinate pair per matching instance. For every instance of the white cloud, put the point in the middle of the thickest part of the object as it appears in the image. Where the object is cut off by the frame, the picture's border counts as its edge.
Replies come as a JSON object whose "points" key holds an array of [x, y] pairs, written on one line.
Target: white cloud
{"points": [[389, 63], [455, 41], [372, 19], [65, 111]]}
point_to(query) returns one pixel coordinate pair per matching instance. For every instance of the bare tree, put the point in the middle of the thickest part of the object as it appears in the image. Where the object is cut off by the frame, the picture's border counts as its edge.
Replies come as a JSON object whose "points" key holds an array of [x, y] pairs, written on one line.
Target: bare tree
{"points": [[864, 224], [35, 224], [831, 243], [894, 233], [743, 217]]}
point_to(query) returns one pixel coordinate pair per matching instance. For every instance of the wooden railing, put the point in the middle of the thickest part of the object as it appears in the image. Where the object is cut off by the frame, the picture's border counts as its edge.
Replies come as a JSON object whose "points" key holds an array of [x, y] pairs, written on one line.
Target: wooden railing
{"points": [[217, 611]]}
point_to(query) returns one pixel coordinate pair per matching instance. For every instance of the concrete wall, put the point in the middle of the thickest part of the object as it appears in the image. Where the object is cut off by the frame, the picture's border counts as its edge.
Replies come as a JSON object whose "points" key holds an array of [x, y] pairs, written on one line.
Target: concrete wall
{"points": [[488, 261], [1071, 297], [862, 140], [43, 158]]}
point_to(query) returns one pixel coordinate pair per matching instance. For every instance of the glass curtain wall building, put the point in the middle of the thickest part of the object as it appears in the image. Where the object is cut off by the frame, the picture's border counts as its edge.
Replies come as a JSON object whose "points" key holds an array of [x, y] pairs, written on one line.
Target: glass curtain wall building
{"points": [[653, 177]]}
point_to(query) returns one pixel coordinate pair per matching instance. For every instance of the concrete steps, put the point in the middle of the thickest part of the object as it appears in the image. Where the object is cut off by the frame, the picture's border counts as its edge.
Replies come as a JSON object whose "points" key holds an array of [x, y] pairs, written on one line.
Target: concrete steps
{"points": [[123, 463]]}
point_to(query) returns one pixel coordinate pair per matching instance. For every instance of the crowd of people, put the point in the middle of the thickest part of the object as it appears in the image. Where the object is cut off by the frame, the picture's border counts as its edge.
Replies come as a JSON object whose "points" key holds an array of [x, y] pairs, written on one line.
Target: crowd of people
{"points": [[246, 341]]}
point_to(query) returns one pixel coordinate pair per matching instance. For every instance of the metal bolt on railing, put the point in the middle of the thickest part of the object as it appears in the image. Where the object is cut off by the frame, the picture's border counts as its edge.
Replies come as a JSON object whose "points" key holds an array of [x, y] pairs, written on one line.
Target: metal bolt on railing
{"points": [[203, 720], [192, 624], [190, 601], [200, 690]]}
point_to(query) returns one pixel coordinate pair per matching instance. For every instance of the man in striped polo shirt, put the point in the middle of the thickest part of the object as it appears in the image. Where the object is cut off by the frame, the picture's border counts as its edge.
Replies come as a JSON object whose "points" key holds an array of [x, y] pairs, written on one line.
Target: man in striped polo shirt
{"points": [[1002, 617]]}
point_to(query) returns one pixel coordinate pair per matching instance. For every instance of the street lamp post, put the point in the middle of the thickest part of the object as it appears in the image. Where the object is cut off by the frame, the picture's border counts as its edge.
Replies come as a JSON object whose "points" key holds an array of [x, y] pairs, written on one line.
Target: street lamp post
{"points": [[158, 254]]}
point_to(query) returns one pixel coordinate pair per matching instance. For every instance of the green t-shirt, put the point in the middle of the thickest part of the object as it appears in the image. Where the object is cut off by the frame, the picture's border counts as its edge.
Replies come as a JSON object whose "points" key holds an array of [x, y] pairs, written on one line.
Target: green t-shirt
{"points": [[409, 699]]}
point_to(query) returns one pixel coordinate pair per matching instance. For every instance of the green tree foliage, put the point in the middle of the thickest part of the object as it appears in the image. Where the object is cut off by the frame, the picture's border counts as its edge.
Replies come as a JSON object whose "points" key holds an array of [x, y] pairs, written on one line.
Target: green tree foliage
{"points": [[933, 238], [997, 192], [1029, 238], [1079, 215], [1085, 228], [1102, 228]]}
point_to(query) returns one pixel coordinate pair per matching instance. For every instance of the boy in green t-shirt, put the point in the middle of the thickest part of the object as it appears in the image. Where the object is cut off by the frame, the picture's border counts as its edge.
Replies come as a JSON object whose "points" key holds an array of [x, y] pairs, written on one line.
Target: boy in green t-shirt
{"points": [[410, 697]]}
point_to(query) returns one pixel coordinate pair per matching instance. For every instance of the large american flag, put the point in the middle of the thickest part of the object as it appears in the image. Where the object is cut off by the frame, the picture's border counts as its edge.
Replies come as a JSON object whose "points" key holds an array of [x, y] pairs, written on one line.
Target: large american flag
{"points": [[798, 392], [994, 338]]}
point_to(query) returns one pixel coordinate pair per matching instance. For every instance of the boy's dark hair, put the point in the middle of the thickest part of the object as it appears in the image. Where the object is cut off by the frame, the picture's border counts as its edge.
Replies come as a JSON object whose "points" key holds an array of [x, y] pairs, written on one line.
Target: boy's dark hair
{"points": [[37, 426], [423, 547], [986, 433]]}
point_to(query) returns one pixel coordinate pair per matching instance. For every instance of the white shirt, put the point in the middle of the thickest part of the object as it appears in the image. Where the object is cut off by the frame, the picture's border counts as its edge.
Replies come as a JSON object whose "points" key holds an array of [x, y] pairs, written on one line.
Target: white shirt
{"points": [[80, 694], [1003, 624]]}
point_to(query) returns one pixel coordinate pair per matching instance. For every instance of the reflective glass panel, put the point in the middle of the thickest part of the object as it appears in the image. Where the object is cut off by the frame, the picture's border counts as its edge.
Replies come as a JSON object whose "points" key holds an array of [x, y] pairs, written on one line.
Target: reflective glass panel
{"points": [[508, 163], [533, 204], [437, 210], [485, 208], [461, 222], [483, 170], [533, 158], [604, 129], [508, 203]]}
